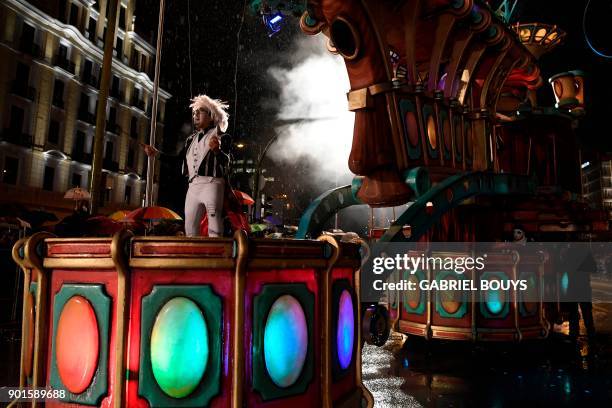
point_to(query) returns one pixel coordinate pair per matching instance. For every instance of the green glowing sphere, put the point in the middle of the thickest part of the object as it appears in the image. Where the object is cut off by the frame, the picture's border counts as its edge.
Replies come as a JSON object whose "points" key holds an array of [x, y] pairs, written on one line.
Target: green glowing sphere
{"points": [[179, 347]]}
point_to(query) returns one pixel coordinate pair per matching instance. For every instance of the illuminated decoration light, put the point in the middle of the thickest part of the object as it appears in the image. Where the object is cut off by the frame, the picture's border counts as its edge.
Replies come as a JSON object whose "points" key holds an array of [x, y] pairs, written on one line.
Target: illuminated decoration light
{"points": [[345, 335], [586, 36], [179, 347], [564, 283], [273, 22], [585, 165], [77, 344], [413, 297], [285, 341], [495, 301], [539, 38]]}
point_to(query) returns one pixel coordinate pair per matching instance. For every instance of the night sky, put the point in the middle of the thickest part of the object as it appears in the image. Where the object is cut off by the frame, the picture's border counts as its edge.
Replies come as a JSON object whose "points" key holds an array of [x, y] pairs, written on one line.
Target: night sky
{"points": [[214, 47]]}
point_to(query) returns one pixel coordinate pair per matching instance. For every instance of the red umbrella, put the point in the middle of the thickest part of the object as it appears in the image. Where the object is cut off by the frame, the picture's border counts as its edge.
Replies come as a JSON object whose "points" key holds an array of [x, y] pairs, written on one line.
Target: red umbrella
{"points": [[243, 197]]}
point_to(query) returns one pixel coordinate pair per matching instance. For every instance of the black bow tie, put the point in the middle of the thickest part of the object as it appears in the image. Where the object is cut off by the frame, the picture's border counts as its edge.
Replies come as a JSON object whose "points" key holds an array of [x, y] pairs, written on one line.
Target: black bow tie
{"points": [[200, 135]]}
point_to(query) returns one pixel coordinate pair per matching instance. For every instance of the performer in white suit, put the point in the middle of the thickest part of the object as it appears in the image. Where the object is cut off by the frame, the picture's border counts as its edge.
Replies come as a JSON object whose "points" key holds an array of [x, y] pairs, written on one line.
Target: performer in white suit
{"points": [[205, 163]]}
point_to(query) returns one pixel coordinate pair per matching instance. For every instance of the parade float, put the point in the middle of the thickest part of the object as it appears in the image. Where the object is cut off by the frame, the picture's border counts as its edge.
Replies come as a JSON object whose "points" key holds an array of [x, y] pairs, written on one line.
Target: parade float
{"points": [[446, 119]]}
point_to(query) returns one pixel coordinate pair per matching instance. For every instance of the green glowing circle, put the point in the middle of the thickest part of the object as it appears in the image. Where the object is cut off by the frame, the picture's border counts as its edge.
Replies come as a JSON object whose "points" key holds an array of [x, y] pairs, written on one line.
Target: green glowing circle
{"points": [[179, 347]]}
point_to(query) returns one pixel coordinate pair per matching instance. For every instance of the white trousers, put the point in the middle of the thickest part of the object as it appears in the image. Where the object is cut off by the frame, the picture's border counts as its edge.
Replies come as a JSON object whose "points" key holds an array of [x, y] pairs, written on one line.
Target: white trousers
{"points": [[204, 194]]}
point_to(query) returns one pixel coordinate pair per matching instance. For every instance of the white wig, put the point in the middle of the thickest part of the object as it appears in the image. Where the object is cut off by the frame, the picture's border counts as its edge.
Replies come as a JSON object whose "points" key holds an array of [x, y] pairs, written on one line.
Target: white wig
{"points": [[216, 107]]}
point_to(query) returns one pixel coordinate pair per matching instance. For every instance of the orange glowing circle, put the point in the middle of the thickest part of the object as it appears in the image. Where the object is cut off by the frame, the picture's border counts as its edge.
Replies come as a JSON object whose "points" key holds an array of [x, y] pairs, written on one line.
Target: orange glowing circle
{"points": [[540, 34], [413, 297], [77, 344], [431, 132], [412, 128], [525, 33]]}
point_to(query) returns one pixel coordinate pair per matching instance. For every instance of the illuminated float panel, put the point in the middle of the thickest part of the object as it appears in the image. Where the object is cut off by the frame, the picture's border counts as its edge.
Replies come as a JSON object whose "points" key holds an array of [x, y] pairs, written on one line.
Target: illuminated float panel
{"points": [[283, 338], [285, 341], [345, 329], [80, 341], [481, 315], [179, 347], [189, 322]]}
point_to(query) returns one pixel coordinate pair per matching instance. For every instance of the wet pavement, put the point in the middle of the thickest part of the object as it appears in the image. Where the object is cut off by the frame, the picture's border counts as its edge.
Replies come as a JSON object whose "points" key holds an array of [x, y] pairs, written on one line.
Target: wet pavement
{"points": [[412, 372]]}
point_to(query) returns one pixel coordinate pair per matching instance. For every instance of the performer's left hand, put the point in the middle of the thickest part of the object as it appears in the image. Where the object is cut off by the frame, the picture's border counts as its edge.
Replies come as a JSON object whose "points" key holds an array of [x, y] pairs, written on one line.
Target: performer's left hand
{"points": [[214, 143]]}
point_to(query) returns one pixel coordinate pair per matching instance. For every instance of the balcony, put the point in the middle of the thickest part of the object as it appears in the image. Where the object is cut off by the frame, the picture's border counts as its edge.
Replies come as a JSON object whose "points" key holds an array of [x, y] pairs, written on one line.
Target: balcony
{"points": [[86, 116], [21, 89], [82, 157], [65, 64], [16, 137], [110, 165]]}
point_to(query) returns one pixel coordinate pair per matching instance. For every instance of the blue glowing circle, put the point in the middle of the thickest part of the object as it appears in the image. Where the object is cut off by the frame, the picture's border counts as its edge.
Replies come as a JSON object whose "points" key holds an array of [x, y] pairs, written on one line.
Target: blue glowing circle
{"points": [[345, 335], [564, 283], [285, 341], [494, 303]]}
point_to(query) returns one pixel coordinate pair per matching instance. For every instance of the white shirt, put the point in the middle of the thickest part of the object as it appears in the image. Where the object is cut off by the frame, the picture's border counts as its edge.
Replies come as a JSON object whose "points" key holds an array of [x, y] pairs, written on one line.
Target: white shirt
{"points": [[197, 150]]}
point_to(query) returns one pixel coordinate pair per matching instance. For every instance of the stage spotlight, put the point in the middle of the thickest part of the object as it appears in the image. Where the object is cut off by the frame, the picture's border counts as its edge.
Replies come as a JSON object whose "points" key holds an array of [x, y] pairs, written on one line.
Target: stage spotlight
{"points": [[273, 22]]}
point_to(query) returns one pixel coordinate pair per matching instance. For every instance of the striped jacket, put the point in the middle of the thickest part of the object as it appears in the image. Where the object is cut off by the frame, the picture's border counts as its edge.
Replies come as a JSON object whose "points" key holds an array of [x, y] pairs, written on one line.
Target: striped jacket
{"points": [[214, 164]]}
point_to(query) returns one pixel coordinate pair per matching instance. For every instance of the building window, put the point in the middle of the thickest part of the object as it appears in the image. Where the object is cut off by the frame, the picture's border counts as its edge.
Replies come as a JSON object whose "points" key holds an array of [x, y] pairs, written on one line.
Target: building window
{"points": [[122, 18], [48, 178], [134, 128], [119, 48], [74, 14], [91, 28], [26, 42], [130, 158], [54, 130], [134, 59], [62, 11], [63, 60], [11, 168], [22, 76], [89, 76], [58, 93], [108, 151], [128, 194], [17, 115], [62, 52], [77, 179], [112, 114], [115, 87]]}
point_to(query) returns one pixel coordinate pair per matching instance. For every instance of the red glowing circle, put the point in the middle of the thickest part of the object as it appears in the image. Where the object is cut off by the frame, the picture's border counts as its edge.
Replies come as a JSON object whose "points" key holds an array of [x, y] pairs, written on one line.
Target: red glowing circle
{"points": [[77, 344]]}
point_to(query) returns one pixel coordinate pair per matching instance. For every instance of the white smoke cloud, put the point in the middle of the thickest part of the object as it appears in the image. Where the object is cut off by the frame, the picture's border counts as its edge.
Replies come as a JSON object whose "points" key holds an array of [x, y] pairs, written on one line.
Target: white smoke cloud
{"points": [[313, 94]]}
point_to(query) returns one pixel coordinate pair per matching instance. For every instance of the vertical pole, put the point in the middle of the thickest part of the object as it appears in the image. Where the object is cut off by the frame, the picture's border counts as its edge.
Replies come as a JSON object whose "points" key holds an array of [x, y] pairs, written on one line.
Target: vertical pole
{"points": [[257, 175], [151, 159], [107, 64]]}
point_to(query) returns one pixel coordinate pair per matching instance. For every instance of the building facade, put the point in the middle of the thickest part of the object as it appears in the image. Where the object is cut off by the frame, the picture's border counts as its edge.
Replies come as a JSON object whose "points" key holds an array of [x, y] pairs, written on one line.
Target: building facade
{"points": [[51, 53], [597, 183]]}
